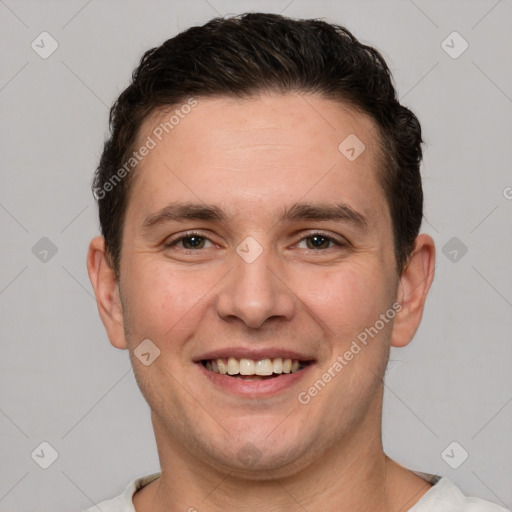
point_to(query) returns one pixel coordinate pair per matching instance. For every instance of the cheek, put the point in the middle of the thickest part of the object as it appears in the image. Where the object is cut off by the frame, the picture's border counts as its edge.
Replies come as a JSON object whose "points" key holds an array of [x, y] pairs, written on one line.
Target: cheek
{"points": [[347, 299], [161, 301]]}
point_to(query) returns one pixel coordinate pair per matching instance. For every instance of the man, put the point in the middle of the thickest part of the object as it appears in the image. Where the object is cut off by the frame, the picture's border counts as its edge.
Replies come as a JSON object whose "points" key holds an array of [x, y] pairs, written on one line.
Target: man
{"points": [[260, 203]]}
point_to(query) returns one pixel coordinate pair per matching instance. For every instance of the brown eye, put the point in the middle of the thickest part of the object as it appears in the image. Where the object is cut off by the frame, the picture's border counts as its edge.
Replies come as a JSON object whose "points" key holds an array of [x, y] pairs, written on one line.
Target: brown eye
{"points": [[193, 242], [318, 242], [190, 242]]}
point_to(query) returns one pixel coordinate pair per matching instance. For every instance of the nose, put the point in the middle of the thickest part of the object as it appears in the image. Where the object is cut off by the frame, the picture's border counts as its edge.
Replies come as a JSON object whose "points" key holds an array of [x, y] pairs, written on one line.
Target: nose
{"points": [[255, 293]]}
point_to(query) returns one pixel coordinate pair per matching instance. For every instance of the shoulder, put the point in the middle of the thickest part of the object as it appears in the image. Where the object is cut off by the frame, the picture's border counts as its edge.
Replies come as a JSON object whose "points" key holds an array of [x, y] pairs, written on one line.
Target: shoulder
{"points": [[444, 496], [124, 502]]}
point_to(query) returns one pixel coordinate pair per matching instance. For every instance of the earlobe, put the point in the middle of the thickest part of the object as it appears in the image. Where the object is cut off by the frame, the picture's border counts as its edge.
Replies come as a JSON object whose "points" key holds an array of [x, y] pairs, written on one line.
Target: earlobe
{"points": [[106, 290], [413, 288]]}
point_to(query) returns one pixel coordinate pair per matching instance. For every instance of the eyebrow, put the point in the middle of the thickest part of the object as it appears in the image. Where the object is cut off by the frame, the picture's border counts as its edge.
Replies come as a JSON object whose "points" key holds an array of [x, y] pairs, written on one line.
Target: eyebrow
{"points": [[184, 211], [340, 212]]}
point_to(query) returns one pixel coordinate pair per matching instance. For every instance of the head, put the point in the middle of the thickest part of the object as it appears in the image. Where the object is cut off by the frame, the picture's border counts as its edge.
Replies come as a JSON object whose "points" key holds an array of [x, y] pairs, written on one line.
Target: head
{"points": [[260, 197]]}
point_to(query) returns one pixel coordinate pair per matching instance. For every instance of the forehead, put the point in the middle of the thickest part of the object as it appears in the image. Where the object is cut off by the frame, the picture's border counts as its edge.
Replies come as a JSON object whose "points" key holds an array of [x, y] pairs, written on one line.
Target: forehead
{"points": [[248, 152]]}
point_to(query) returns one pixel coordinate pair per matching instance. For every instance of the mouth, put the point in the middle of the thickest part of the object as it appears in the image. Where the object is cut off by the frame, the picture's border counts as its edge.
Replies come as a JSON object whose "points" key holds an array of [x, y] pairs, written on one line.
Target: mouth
{"points": [[255, 373], [254, 369]]}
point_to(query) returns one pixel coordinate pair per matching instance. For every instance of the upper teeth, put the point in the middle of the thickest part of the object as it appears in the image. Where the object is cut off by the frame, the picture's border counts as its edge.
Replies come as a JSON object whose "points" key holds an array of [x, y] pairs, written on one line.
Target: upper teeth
{"points": [[243, 366]]}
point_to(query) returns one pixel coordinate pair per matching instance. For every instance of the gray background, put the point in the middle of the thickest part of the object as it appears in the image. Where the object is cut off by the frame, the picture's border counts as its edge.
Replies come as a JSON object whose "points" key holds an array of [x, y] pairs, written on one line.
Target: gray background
{"points": [[61, 381]]}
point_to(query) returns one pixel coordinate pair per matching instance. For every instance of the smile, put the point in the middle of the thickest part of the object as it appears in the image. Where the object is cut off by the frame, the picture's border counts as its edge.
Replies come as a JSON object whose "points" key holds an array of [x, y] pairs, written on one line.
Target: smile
{"points": [[260, 368]]}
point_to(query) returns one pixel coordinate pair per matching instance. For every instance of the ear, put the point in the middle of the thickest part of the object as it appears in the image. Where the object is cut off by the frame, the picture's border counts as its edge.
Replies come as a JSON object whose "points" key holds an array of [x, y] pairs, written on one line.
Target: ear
{"points": [[106, 289], [413, 288]]}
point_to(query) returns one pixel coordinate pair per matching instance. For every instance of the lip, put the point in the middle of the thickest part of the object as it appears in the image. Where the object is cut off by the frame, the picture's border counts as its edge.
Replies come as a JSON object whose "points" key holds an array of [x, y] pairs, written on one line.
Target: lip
{"points": [[253, 353], [255, 388]]}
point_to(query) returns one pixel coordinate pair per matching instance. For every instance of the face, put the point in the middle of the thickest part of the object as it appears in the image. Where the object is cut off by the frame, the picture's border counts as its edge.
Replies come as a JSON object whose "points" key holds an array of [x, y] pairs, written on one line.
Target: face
{"points": [[252, 243]]}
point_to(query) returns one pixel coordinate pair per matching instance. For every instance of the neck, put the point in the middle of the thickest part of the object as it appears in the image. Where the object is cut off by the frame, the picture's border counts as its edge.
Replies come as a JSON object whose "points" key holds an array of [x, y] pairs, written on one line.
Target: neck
{"points": [[354, 475]]}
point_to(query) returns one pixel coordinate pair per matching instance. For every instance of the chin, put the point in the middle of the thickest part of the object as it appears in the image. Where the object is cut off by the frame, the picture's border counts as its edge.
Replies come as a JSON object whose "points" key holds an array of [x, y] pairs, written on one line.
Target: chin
{"points": [[255, 457]]}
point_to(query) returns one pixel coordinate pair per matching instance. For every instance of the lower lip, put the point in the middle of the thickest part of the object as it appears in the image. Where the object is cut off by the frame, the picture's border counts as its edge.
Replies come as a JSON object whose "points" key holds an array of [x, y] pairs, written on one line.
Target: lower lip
{"points": [[255, 388]]}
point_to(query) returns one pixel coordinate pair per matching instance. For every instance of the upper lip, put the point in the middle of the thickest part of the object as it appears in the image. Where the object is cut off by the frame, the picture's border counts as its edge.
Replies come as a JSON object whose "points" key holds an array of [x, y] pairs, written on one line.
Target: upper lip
{"points": [[253, 353]]}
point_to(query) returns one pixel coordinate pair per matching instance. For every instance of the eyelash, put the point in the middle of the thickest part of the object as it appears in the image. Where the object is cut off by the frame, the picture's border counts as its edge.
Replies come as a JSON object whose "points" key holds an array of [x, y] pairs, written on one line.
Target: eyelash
{"points": [[176, 241], [190, 234]]}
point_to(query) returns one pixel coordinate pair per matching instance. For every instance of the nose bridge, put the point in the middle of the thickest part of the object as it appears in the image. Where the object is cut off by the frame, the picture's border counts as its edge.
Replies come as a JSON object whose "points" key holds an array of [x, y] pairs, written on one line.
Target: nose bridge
{"points": [[254, 292]]}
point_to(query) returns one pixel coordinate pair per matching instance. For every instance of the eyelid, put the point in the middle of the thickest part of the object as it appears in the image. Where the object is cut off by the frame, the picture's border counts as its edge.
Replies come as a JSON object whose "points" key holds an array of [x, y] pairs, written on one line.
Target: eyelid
{"points": [[336, 239], [174, 239]]}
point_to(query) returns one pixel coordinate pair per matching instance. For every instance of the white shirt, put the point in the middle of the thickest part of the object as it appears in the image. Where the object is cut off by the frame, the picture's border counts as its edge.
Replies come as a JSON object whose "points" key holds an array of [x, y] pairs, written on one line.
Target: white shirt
{"points": [[443, 496]]}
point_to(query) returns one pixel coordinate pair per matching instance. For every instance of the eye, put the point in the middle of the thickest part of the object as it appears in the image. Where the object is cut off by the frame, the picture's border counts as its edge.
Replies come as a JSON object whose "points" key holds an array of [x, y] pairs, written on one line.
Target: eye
{"points": [[319, 241], [190, 241]]}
